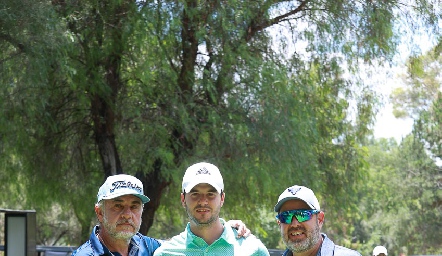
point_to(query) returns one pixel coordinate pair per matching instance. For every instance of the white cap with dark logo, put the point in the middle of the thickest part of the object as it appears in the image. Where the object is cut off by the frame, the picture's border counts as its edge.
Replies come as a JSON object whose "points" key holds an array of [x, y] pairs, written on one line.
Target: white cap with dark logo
{"points": [[298, 192], [120, 185], [202, 173]]}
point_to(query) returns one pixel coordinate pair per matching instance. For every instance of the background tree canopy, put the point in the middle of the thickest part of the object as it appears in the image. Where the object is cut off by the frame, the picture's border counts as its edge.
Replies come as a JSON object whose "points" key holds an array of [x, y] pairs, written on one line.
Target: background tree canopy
{"points": [[269, 91]]}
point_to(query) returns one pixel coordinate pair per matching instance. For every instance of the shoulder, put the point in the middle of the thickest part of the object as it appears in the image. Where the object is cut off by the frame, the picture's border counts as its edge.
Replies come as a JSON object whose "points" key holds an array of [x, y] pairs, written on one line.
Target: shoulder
{"points": [[175, 243], [176, 240], [91, 247], [251, 239], [330, 248], [250, 245], [341, 250], [147, 242], [84, 249], [253, 242]]}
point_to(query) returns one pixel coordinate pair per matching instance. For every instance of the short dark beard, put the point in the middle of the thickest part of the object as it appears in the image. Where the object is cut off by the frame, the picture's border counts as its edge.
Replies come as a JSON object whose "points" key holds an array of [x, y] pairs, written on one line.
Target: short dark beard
{"points": [[195, 221]]}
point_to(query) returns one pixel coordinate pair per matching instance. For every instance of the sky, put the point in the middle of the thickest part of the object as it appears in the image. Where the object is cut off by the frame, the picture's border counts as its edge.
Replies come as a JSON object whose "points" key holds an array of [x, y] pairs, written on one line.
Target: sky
{"points": [[386, 79], [386, 125]]}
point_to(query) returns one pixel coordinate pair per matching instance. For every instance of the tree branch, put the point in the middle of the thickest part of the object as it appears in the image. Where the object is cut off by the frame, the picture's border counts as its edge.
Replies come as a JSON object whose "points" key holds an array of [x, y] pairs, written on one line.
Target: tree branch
{"points": [[256, 25]]}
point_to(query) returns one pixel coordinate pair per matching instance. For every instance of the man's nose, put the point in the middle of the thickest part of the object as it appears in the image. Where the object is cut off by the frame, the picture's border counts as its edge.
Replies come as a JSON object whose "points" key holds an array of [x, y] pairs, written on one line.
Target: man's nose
{"points": [[295, 221], [126, 212], [203, 199]]}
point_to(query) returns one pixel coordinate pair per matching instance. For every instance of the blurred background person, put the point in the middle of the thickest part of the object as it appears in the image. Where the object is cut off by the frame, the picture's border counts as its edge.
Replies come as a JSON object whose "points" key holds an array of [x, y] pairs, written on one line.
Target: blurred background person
{"points": [[380, 251]]}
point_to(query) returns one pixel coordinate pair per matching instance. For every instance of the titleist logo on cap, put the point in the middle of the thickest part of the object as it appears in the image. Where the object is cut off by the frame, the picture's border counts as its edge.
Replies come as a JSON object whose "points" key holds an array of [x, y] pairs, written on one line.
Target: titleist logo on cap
{"points": [[124, 184]]}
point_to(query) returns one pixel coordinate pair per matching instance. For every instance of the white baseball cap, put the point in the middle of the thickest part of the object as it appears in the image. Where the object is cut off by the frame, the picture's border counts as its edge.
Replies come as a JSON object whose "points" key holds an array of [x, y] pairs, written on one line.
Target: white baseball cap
{"points": [[202, 173], [120, 185], [379, 249], [298, 192]]}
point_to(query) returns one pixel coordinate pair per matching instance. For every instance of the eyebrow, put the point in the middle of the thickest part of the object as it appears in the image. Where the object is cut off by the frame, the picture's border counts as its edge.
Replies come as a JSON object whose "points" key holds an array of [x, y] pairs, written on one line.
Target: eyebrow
{"points": [[117, 200], [211, 190]]}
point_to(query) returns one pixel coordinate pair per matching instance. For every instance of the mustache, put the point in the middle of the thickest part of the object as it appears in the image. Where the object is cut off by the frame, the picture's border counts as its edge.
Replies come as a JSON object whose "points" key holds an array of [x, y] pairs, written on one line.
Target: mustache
{"points": [[293, 229], [202, 208], [130, 222]]}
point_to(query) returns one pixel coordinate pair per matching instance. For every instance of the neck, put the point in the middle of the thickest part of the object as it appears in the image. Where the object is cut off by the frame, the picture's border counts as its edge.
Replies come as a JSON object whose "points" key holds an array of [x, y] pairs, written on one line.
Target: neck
{"points": [[208, 233], [114, 245]]}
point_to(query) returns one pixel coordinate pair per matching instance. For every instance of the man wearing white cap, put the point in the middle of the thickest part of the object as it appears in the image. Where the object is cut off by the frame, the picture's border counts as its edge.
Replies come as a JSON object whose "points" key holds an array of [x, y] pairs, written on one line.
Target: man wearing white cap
{"points": [[380, 251], [203, 196], [119, 207], [300, 220]]}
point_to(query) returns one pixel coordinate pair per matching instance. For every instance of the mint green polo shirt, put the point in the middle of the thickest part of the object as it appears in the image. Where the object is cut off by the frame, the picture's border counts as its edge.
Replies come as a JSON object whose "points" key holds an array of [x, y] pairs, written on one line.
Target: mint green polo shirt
{"points": [[186, 243]]}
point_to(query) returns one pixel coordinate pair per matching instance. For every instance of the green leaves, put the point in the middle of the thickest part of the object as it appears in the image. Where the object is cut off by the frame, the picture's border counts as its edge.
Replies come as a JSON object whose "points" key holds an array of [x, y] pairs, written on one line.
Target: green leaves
{"points": [[97, 87]]}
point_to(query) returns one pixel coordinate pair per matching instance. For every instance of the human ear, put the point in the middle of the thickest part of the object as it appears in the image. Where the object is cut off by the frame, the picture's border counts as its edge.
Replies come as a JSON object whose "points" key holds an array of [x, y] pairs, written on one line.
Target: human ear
{"points": [[183, 200], [321, 216], [99, 213]]}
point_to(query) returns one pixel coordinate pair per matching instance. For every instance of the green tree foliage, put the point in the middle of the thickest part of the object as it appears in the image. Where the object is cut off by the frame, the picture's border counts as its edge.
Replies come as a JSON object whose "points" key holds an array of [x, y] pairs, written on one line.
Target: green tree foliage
{"points": [[421, 99], [402, 199], [422, 85], [45, 159], [149, 87]]}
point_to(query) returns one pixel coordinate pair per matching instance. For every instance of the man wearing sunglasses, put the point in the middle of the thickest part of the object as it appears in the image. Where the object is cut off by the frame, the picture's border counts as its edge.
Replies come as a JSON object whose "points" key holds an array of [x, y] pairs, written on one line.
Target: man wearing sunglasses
{"points": [[300, 220], [206, 233]]}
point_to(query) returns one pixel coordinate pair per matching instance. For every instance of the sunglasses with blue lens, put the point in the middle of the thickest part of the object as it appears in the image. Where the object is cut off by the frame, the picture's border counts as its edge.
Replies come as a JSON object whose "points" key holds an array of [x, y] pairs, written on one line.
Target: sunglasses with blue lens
{"points": [[300, 215]]}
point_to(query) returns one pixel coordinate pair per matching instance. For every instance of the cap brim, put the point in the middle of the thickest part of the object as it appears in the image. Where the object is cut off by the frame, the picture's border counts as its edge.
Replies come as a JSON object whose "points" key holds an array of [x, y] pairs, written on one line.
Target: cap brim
{"points": [[280, 203], [144, 199], [193, 184]]}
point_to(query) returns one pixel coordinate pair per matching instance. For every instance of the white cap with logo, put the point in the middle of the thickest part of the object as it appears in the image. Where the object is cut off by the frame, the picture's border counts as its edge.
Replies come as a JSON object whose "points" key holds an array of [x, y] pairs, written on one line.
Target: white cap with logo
{"points": [[120, 185], [379, 249], [202, 173], [298, 192]]}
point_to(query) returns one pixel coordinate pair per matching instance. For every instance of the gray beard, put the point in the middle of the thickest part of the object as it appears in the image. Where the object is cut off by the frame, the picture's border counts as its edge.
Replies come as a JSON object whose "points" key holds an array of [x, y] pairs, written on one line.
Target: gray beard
{"points": [[313, 237], [120, 235]]}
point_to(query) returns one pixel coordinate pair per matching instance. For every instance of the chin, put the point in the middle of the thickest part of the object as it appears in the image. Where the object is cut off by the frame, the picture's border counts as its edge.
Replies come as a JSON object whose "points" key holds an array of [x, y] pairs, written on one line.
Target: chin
{"points": [[125, 235]]}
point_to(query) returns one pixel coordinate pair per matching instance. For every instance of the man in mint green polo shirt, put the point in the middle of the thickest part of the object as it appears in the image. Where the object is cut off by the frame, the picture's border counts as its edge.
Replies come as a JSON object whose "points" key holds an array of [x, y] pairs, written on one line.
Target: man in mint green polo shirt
{"points": [[203, 196]]}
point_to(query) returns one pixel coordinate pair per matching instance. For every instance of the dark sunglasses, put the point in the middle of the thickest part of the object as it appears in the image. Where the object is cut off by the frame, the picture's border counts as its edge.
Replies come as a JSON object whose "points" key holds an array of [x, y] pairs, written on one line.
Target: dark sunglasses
{"points": [[300, 215]]}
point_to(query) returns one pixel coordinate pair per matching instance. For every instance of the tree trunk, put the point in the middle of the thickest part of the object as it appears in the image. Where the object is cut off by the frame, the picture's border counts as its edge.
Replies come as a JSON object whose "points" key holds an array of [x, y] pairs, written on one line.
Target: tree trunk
{"points": [[153, 186]]}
